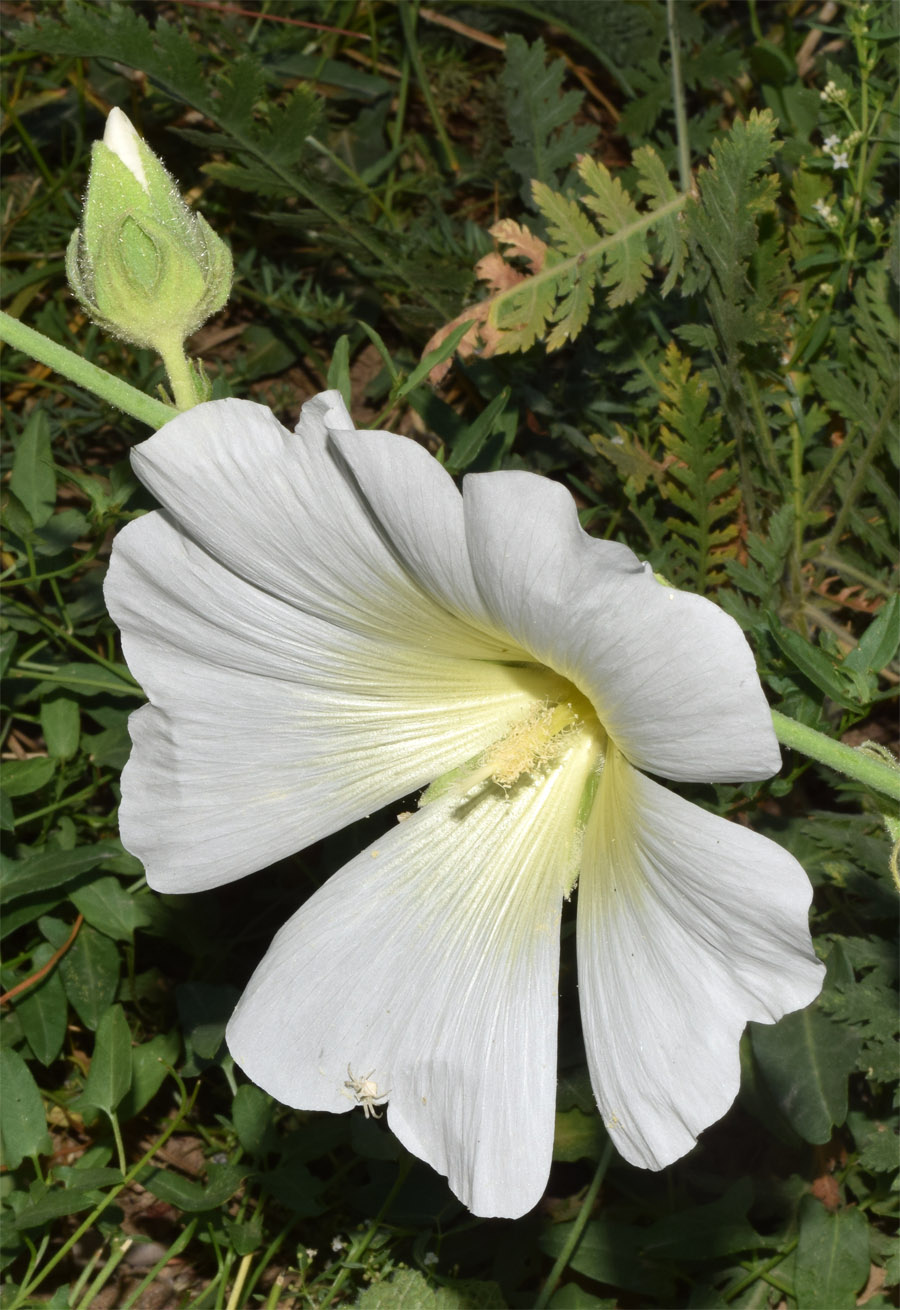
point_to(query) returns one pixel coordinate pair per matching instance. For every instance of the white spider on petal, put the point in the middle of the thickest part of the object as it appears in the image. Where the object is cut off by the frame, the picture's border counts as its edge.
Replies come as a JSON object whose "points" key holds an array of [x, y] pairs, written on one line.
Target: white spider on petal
{"points": [[366, 1093]]}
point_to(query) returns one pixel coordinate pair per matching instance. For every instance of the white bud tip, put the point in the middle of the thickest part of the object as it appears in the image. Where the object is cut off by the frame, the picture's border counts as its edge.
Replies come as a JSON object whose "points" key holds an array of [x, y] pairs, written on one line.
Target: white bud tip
{"points": [[122, 140]]}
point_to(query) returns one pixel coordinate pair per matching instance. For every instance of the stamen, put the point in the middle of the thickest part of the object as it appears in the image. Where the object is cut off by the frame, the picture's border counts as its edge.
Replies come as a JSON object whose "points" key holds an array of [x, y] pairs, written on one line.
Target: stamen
{"points": [[529, 746]]}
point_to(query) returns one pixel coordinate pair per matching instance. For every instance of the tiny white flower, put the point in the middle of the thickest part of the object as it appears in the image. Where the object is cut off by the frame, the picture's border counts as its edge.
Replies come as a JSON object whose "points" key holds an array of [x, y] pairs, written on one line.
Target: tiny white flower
{"points": [[337, 1244], [324, 624], [430, 1258], [840, 161], [831, 143]]}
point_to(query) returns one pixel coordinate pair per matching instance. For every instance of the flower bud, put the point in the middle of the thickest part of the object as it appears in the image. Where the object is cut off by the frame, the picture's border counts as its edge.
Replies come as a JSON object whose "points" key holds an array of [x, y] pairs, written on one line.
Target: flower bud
{"points": [[143, 265]]}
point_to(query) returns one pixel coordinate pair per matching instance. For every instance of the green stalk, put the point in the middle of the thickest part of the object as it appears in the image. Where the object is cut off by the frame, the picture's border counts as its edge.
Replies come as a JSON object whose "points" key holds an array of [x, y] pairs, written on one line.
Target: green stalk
{"points": [[187, 1104], [576, 1230], [181, 1241], [178, 368], [681, 122], [852, 761], [62, 360], [408, 19]]}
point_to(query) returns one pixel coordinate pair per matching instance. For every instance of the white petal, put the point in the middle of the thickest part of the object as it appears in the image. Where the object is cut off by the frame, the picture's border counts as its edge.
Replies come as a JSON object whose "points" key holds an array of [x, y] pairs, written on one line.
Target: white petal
{"points": [[268, 727], [429, 964], [122, 139], [421, 510], [280, 510], [688, 927], [670, 675]]}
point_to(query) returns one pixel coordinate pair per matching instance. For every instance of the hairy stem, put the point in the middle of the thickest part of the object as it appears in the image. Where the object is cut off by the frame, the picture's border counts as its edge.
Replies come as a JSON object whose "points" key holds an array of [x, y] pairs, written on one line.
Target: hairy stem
{"points": [[852, 761], [62, 360]]}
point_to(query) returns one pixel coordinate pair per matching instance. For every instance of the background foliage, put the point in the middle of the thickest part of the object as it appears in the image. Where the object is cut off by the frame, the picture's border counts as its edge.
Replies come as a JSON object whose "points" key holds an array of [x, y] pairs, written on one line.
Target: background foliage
{"points": [[708, 362]]}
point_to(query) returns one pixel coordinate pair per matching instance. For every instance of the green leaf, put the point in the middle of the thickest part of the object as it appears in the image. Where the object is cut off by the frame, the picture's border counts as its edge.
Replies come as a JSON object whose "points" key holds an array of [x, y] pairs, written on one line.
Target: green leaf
{"points": [[109, 1076], [224, 1180], [539, 114], [87, 679], [578, 1136], [244, 1237], [49, 868], [432, 359], [706, 1232], [878, 644], [468, 444], [813, 663], [22, 777], [612, 1252], [61, 1201], [339, 369], [33, 480], [251, 1114], [628, 262], [90, 973], [832, 1262], [204, 1010], [149, 1072], [43, 1011], [61, 726], [23, 1128], [407, 1289], [108, 907], [806, 1060]]}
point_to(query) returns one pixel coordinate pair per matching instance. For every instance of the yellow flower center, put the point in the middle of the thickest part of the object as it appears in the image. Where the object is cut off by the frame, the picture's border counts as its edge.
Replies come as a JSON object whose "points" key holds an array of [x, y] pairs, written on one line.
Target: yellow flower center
{"points": [[535, 742]]}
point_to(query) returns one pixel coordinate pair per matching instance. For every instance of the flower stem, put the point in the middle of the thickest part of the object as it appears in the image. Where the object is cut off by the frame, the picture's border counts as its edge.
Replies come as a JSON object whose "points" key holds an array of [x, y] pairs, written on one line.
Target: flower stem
{"points": [[576, 1230], [62, 360], [176, 364], [854, 761]]}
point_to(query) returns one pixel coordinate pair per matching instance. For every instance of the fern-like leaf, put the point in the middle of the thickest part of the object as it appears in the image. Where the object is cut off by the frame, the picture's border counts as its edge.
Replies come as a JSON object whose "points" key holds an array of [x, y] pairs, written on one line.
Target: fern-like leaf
{"points": [[540, 114], [551, 301], [701, 478], [628, 263], [654, 181]]}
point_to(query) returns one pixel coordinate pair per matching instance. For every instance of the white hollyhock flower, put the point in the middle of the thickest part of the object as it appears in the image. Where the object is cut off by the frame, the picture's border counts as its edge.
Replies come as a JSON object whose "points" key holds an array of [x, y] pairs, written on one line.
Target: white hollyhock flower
{"points": [[323, 624]]}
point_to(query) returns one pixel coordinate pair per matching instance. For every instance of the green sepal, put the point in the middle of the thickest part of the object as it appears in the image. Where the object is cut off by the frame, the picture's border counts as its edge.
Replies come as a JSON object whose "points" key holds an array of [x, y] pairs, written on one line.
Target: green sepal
{"points": [[144, 266]]}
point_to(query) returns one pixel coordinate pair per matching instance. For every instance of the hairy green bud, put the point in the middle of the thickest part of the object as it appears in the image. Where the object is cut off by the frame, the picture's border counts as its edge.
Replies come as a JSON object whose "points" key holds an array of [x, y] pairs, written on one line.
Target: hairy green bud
{"points": [[143, 265]]}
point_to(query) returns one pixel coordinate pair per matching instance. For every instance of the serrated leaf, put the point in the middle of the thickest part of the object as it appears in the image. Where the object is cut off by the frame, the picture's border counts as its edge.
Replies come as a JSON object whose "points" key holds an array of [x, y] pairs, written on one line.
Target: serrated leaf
{"points": [[628, 261], [407, 1289], [539, 114], [670, 231]]}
